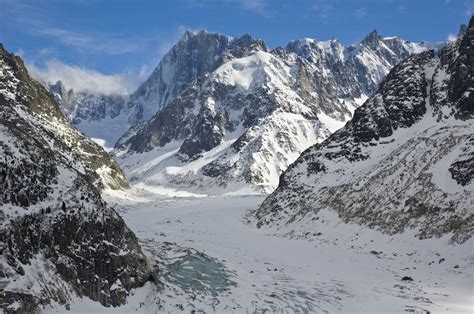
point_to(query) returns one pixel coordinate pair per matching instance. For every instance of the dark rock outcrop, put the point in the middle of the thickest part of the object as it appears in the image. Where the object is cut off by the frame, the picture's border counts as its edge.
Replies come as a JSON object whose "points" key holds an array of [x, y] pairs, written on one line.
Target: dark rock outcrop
{"points": [[33, 97], [58, 238]]}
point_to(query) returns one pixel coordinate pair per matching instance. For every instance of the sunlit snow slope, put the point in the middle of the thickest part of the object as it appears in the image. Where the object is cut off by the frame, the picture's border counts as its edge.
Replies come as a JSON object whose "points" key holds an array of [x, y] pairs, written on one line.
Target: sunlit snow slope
{"points": [[235, 129]]}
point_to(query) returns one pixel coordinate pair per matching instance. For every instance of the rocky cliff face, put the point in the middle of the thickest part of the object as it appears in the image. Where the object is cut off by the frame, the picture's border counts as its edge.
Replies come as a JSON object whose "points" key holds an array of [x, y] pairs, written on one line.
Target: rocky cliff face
{"points": [[57, 237], [251, 114], [356, 71], [405, 160], [108, 117], [41, 104], [194, 55], [241, 124]]}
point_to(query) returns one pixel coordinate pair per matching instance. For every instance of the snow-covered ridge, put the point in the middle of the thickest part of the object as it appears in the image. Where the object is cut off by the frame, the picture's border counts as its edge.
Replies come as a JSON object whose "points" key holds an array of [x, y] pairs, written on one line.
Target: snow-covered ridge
{"points": [[272, 105], [107, 117], [402, 161], [243, 72]]}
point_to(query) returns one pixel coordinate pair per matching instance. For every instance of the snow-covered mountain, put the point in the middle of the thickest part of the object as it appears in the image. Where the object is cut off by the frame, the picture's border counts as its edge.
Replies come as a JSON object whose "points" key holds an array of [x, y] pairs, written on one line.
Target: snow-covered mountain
{"points": [[106, 172], [58, 238], [358, 69], [404, 162], [194, 55], [107, 117], [243, 123], [102, 117], [239, 126]]}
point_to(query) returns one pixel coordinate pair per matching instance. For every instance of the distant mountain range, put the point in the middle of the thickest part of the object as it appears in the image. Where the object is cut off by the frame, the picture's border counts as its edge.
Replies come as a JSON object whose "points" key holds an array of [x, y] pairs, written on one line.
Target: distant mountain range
{"points": [[225, 114]]}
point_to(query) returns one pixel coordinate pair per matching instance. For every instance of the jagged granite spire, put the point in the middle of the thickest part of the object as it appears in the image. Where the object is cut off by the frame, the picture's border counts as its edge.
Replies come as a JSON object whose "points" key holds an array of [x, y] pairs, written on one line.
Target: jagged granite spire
{"points": [[195, 54]]}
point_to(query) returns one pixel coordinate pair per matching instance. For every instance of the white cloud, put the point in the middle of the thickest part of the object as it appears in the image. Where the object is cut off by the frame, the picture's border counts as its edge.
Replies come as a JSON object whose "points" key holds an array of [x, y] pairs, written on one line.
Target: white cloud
{"points": [[254, 6], [257, 6], [452, 37], [323, 8], [83, 79], [360, 12], [45, 66]]}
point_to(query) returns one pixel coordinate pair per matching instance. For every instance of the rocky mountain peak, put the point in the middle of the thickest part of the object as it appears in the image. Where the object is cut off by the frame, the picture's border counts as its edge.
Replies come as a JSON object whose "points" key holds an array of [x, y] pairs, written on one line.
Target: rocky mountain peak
{"points": [[194, 55], [404, 161], [188, 34], [58, 90], [58, 86], [462, 29], [247, 98], [323, 54], [202, 35], [58, 238], [62, 96], [372, 39], [249, 41]]}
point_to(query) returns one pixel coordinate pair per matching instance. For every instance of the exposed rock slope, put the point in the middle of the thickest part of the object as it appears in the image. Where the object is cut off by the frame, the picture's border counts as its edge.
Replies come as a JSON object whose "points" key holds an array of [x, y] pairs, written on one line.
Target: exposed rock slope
{"points": [[57, 236], [405, 160], [21, 89], [108, 117]]}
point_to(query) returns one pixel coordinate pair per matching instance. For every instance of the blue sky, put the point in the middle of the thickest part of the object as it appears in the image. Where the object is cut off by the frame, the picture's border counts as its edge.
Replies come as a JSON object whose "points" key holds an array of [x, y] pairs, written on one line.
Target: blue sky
{"points": [[123, 40]]}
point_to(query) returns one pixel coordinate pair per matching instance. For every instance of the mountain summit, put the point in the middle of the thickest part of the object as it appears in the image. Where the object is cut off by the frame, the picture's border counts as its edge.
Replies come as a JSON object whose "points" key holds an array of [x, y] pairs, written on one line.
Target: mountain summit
{"points": [[108, 117]]}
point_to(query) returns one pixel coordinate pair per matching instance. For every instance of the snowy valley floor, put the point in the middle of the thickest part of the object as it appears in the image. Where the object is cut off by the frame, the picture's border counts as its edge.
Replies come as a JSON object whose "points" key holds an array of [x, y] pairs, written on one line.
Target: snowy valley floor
{"points": [[211, 257]]}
